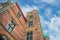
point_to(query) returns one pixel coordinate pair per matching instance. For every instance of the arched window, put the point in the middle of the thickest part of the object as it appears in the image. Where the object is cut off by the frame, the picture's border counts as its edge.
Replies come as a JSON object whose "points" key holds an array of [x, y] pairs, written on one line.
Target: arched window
{"points": [[2, 37], [29, 36]]}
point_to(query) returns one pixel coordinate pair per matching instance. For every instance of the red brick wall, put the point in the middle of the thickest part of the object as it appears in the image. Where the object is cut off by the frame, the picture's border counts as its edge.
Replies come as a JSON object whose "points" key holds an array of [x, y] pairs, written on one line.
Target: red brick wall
{"points": [[18, 32], [4, 32]]}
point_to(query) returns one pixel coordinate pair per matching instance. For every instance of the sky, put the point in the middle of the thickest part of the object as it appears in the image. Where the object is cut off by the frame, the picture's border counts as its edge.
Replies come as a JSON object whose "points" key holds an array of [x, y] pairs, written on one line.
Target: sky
{"points": [[49, 12]]}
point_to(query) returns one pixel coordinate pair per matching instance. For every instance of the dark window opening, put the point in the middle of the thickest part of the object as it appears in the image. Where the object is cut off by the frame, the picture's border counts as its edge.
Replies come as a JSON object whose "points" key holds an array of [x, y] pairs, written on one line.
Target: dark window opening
{"points": [[31, 16], [30, 23], [3, 37], [18, 15], [29, 36]]}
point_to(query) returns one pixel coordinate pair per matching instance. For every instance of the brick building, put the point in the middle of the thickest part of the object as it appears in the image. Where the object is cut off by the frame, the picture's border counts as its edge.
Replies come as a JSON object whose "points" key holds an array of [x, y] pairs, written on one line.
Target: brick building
{"points": [[14, 26]]}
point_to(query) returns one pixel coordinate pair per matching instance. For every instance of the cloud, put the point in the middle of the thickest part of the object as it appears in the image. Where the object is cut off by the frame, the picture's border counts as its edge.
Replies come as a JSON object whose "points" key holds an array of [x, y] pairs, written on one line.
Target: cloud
{"points": [[42, 6], [27, 8], [52, 2], [54, 24], [43, 21], [47, 1], [56, 37], [48, 12], [52, 37], [53, 27]]}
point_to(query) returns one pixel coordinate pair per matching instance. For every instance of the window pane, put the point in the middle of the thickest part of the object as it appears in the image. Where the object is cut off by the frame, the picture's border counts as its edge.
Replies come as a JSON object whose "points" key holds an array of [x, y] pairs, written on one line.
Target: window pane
{"points": [[27, 34], [7, 27], [31, 16], [31, 38], [3, 37], [31, 34], [18, 15], [31, 23], [27, 38], [10, 30], [10, 23]]}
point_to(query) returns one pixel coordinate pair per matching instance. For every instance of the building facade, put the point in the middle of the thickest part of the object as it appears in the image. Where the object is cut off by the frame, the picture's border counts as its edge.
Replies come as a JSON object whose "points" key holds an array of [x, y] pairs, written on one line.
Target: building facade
{"points": [[14, 26], [34, 25]]}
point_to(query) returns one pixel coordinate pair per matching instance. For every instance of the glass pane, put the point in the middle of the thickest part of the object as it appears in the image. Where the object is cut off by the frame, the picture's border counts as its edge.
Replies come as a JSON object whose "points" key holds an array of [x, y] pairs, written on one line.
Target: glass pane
{"points": [[10, 23], [10, 30], [27, 38], [30, 38], [4, 37], [27, 34], [7, 27], [31, 23], [13, 25], [31, 16], [31, 34], [18, 15]]}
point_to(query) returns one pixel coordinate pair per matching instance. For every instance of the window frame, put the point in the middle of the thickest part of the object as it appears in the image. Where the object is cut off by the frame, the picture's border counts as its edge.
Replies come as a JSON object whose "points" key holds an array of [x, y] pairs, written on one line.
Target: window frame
{"points": [[18, 15], [3, 36], [31, 16], [30, 23], [10, 28], [28, 37]]}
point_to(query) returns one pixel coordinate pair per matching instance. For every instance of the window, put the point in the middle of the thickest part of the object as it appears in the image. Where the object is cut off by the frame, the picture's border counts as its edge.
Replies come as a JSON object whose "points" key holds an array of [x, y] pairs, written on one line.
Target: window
{"points": [[44, 38], [3, 37], [5, 4], [18, 15], [10, 26], [30, 23], [29, 36], [31, 16]]}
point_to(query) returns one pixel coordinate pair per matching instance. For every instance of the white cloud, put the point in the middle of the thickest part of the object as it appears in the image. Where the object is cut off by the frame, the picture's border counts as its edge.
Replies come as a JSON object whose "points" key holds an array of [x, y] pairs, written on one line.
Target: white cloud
{"points": [[52, 37], [42, 6], [53, 27], [48, 13], [52, 2], [28, 8], [54, 24], [43, 21], [46, 32], [49, 1], [56, 37]]}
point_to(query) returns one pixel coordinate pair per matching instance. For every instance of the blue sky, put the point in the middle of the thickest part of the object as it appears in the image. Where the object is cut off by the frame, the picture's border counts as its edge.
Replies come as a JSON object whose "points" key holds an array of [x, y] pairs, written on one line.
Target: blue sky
{"points": [[49, 12]]}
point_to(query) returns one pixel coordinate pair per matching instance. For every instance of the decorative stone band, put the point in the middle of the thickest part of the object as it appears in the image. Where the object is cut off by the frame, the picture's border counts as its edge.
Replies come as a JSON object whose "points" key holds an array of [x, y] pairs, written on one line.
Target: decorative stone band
{"points": [[5, 8]]}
